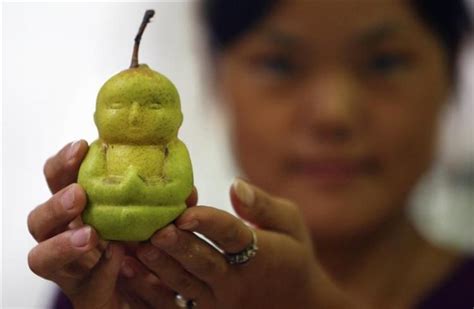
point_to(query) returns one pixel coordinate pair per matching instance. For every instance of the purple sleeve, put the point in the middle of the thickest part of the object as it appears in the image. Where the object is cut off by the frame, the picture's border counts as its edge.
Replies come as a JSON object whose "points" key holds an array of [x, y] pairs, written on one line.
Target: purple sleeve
{"points": [[61, 302], [457, 291]]}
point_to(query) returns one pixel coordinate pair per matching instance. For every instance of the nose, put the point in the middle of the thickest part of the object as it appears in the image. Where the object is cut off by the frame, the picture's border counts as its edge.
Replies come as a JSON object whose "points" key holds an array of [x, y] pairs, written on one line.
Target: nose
{"points": [[134, 114], [331, 107]]}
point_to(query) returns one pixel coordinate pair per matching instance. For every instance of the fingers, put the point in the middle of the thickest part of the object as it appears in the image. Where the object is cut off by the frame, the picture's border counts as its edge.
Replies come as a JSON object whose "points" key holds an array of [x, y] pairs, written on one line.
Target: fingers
{"points": [[193, 253], [192, 198], [50, 257], [172, 274], [99, 288], [54, 216], [222, 228], [141, 294], [144, 287], [266, 211], [61, 169]]}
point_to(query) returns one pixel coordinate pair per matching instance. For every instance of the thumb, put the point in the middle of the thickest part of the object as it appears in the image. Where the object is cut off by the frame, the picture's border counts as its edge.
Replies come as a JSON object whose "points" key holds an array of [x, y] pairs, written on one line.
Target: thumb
{"points": [[266, 211]]}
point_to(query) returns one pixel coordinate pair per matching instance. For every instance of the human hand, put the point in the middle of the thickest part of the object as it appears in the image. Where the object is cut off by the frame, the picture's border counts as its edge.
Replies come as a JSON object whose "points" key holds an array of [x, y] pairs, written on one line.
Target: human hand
{"points": [[70, 253], [283, 274]]}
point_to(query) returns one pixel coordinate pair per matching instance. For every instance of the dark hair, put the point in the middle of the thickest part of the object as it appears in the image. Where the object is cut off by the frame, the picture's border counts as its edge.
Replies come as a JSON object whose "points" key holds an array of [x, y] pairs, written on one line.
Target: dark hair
{"points": [[450, 21], [227, 20]]}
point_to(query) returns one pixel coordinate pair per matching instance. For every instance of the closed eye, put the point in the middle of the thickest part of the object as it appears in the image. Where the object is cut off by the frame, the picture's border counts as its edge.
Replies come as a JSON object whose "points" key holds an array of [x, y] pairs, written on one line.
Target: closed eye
{"points": [[154, 105], [116, 105]]}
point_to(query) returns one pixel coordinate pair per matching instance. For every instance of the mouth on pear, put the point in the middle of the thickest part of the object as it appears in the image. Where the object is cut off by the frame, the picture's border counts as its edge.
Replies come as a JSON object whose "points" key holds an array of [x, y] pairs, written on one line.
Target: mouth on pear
{"points": [[136, 130]]}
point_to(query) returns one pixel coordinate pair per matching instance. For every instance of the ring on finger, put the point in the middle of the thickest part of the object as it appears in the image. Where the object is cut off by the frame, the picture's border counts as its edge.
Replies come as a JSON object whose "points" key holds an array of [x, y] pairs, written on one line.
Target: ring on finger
{"points": [[246, 254], [182, 302]]}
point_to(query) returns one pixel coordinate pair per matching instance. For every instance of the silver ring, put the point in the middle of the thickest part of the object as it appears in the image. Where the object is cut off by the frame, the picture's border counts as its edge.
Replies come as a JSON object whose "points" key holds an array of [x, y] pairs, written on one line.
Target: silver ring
{"points": [[245, 255], [182, 302]]}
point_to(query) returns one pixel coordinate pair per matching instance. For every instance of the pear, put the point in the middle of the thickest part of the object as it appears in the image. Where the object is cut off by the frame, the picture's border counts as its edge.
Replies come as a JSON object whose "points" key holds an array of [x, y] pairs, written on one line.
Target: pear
{"points": [[137, 175]]}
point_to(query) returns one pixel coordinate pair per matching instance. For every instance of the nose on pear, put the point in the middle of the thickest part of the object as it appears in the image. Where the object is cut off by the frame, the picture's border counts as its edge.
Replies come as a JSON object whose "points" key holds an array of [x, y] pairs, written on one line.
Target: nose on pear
{"points": [[133, 117]]}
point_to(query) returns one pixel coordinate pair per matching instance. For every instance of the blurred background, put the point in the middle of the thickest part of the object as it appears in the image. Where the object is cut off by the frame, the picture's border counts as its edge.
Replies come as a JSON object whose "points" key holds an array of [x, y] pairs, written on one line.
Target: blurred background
{"points": [[57, 56]]}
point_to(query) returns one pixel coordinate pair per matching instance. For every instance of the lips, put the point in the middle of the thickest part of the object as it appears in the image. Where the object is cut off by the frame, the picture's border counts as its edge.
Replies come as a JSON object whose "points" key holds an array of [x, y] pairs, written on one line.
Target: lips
{"points": [[332, 171]]}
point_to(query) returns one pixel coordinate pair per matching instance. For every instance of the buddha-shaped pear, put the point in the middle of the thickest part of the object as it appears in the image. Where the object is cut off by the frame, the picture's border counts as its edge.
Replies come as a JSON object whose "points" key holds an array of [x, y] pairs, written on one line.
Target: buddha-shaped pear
{"points": [[138, 174]]}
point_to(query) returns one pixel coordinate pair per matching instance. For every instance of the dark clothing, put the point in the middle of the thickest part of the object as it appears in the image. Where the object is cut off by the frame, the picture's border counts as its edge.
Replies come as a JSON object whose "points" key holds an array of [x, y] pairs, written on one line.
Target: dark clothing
{"points": [[455, 292], [61, 302]]}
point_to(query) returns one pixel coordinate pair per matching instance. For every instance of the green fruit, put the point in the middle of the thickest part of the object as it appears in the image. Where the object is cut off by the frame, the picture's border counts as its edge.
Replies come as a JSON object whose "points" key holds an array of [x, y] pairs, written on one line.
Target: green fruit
{"points": [[138, 174]]}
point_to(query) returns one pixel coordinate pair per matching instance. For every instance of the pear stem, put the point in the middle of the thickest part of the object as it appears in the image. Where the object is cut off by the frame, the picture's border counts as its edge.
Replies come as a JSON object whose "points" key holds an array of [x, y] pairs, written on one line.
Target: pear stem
{"points": [[146, 19]]}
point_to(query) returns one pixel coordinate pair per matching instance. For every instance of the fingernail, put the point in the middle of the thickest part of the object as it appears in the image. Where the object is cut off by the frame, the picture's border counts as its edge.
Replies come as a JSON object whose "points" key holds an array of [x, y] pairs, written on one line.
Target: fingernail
{"points": [[81, 237], [152, 279], [125, 305], [244, 192], [127, 270], [67, 199], [190, 225], [73, 148], [165, 238], [151, 254]]}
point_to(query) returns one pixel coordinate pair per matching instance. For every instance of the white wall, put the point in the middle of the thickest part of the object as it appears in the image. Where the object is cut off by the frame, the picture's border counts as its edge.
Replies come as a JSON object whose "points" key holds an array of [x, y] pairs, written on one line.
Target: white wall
{"points": [[56, 57]]}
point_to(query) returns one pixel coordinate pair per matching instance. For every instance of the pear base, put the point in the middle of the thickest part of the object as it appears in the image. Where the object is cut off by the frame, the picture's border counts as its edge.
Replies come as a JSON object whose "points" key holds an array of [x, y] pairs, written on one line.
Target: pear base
{"points": [[130, 222]]}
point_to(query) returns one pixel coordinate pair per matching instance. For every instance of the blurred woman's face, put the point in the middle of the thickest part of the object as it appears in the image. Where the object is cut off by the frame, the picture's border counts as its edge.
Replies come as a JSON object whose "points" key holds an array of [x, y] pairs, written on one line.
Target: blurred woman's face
{"points": [[335, 105]]}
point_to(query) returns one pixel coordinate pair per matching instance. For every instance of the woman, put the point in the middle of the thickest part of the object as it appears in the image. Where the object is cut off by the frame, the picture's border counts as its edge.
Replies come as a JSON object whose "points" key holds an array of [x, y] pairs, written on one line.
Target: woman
{"points": [[333, 109]]}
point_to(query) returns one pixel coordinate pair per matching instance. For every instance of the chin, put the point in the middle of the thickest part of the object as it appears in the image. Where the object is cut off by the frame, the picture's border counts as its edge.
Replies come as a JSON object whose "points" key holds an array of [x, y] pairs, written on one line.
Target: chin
{"points": [[335, 218]]}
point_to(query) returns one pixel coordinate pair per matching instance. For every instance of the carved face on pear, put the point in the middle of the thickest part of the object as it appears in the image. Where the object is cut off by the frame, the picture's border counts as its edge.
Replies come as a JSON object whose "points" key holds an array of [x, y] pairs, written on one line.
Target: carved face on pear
{"points": [[139, 107]]}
